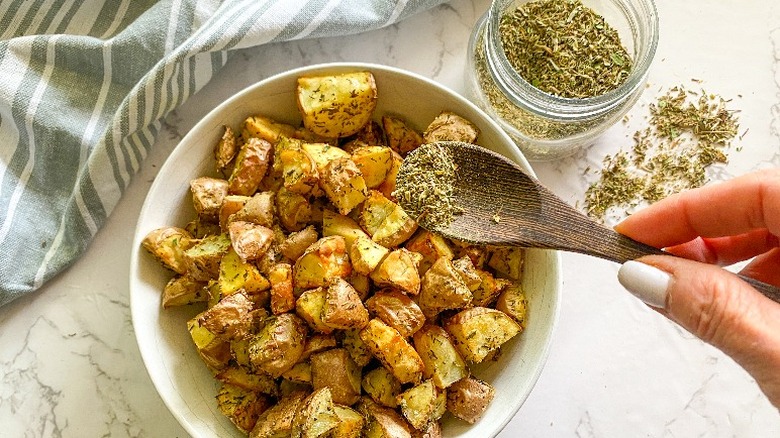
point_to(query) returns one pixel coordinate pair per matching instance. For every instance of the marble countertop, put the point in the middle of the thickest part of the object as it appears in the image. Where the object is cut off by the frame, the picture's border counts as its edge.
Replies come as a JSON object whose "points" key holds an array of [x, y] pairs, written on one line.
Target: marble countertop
{"points": [[69, 361]]}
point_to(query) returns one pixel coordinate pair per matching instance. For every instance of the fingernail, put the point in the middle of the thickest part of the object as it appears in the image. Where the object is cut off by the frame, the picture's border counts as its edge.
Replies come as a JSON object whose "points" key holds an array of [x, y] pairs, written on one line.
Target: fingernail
{"points": [[647, 283]]}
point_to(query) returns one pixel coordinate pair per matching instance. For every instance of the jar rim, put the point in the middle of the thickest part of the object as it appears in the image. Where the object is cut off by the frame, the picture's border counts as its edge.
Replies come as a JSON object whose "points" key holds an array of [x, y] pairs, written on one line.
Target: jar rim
{"points": [[542, 103]]}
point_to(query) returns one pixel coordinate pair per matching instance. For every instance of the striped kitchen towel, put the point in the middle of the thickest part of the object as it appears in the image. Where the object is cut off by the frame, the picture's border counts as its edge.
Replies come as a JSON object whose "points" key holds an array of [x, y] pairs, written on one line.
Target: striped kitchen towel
{"points": [[84, 85]]}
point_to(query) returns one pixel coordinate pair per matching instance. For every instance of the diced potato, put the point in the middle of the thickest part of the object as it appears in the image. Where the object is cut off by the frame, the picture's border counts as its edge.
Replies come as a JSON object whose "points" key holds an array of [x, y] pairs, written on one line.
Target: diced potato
{"points": [[230, 318], [318, 342], [225, 150], [388, 185], [374, 163], [282, 297], [443, 364], [442, 288], [167, 245], [343, 184], [489, 289], [241, 406], [468, 398], [322, 262], [477, 331], [207, 196], [395, 353], [298, 169], [278, 420], [431, 246], [468, 272], [371, 134], [477, 254], [350, 423], [309, 307], [396, 310], [266, 128], [508, 260], [251, 164], [386, 222], [513, 302], [287, 387], [365, 255], [361, 283], [279, 344], [398, 270], [243, 378], [400, 137], [293, 209], [383, 422], [299, 373], [259, 209], [296, 243], [335, 224], [236, 274], [316, 416], [336, 105], [382, 386], [183, 290], [323, 153], [250, 241], [214, 351], [231, 205], [203, 258], [335, 369], [343, 308], [422, 404], [449, 126], [358, 350]]}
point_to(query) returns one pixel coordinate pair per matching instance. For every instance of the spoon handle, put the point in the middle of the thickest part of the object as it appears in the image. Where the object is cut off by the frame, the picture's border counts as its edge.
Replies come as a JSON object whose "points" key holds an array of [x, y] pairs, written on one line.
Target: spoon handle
{"points": [[619, 248]]}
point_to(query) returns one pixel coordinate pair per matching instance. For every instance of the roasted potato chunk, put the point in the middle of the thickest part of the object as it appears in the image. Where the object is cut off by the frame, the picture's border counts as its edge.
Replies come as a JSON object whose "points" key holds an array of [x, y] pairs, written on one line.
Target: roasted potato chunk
{"points": [[398, 270], [231, 205], [374, 163], [214, 351], [468, 398], [468, 272], [365, 255], [207, 196], [202, 259], [386, 222], [442, 288], [250, 241], [251, 164], [309, 307], [343, 308], [423, 404], [336, 105], [388, 185], [396, 310], [335, 369], [294, 209], [335, 224], [278, 420], [508, 261], [478, 331], [318, 342], [431, 246], [449, 126], [183, 290], [488, 290], [236, 274], [383, 422], [358, 350], [343, 184], [230, 318], [279, 344], [513, 302], [443, 364], [259, 209], [322, 262], [167, 245], [282, 297], [382, 386], [316, 415], [395, 353], [350, 423], [241, 406], [298, 169], [226, 149], [400, 137], [266, 128], [243, 378], [323, 153]]}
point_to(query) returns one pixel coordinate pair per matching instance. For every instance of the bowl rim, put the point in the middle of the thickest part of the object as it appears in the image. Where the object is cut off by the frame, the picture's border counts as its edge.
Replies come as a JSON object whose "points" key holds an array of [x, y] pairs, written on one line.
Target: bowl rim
{"points": [[516, 155]]}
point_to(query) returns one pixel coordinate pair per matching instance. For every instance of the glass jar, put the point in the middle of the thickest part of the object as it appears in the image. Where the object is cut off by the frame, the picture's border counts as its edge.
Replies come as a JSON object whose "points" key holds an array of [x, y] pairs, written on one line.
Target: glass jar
{"points": [[545, 126]]}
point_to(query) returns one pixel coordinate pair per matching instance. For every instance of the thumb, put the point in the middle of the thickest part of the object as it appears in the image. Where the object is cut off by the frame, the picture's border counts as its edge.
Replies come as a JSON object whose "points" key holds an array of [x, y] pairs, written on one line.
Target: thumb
{"points": [[716, 306]]}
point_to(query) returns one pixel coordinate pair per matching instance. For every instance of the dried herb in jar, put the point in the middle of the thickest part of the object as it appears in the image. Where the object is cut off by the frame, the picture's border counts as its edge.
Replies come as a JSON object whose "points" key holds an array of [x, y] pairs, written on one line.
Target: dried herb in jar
{"points": [[688, 133], [425, 186], [564, 48]]}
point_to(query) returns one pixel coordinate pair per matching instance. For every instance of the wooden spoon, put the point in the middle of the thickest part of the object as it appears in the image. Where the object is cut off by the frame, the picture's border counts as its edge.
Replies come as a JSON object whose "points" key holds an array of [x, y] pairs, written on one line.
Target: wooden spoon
{"points": [[502, 205]]}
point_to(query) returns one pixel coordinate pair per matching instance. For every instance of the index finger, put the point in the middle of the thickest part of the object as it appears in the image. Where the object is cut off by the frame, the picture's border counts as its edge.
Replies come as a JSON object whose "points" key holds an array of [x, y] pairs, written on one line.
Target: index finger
{"points": [[730, 208]]}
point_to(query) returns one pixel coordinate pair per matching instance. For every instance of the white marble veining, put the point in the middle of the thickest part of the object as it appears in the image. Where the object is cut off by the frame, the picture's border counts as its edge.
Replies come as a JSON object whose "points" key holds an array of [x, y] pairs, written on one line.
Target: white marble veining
{"points": [[70, 366]]}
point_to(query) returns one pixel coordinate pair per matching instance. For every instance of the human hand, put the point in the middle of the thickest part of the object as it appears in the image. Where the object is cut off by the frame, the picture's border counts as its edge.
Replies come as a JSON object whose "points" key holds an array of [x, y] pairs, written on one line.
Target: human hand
{"points": [[720, 224]]}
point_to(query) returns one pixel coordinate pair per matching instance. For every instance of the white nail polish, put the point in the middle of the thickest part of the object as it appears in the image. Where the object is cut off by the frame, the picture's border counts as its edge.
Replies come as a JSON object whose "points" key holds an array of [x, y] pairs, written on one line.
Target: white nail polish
{"points": [[647, 283]]}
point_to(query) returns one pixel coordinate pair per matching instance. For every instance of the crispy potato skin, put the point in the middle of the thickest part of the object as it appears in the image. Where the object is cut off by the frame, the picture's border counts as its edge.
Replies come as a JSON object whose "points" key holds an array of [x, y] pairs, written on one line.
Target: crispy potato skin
{"points": [[397, 310], [449, 126], [395, 353], [478, 331], [251, 164], [207, 196], [443, 364], [279, 344], [167, 245], [335, 369], [468, 398], [337, 105]]}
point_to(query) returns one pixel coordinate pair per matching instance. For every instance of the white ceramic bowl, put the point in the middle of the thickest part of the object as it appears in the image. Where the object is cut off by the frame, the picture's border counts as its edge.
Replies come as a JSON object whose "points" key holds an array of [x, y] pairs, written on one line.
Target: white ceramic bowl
{"points": [[183, 381]]}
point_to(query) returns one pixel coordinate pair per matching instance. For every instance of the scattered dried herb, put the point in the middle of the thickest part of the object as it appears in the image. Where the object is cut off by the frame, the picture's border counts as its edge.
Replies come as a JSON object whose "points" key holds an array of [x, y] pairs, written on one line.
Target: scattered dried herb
{"points": [[425, 186], [564, 48], [688, 132]]}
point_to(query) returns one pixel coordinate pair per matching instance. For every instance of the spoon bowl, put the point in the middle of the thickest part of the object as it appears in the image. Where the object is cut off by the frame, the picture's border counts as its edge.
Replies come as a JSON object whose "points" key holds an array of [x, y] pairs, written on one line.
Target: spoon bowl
{"points": [[500, 204]]}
